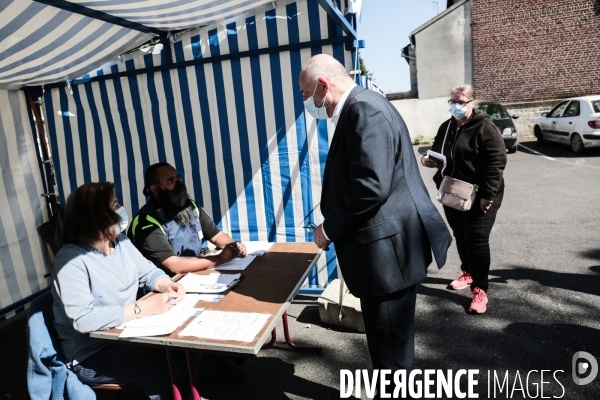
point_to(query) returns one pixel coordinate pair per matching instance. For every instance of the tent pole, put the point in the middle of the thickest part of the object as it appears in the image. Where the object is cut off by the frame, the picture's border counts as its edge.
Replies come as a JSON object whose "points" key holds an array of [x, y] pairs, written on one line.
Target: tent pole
{"points": [[99, 15], [45, 157]]}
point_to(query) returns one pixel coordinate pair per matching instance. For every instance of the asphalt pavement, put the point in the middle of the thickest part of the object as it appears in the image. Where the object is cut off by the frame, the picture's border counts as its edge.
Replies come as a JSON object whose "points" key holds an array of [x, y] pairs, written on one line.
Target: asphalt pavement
{"points": [[544, 303]]}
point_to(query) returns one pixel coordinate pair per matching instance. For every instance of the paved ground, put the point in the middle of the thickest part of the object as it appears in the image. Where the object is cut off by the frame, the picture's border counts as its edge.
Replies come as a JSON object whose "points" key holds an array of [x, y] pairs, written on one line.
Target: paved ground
{"points": [[544, 302]]}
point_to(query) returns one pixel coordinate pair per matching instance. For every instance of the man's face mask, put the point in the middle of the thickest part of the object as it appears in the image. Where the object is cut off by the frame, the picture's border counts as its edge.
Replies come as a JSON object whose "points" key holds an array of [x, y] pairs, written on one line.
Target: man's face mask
{"points": [[317, 112], [173, 200]]}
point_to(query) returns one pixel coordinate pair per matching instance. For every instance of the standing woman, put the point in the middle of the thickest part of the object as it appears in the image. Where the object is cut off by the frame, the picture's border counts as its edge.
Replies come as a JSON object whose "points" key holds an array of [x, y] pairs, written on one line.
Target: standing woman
{"points": [[475, 153], [95, 277]]}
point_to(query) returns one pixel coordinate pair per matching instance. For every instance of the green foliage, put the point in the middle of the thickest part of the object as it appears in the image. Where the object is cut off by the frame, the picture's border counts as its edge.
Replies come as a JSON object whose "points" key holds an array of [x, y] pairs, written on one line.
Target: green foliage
{"points": [[423, 140], [363, 68]]}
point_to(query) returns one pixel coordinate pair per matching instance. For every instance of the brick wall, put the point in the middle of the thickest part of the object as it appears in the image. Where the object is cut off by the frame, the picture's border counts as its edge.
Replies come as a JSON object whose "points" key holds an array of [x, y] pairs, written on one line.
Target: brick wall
{"points": [[525, 50]]}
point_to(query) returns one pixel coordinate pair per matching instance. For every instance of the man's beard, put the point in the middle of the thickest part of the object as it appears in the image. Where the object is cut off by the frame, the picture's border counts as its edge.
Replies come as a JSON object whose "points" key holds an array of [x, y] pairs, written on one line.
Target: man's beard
{"points": [[177, 203], [184, 216]]}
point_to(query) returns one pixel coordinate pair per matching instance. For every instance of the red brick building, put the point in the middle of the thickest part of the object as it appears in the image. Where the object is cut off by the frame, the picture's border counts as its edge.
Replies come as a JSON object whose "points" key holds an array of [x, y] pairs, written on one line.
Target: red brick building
{"points": [[526, 54], [526, 50]]}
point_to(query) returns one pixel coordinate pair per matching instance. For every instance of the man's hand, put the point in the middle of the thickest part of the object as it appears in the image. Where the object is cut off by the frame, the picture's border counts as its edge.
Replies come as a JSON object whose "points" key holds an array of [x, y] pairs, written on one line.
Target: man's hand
{"points": [[229, 252], [485, 205], [320, 239], [242, 247]]}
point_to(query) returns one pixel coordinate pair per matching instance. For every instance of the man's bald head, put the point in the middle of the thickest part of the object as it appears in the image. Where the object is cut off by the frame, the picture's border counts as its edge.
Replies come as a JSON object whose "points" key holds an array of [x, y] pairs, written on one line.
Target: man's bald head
{"points": [[327, 67], [326, 80]]}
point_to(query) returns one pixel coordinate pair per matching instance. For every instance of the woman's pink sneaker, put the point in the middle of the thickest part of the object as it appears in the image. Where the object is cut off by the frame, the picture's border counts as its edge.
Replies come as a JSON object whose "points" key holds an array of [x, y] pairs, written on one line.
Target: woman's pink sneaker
{"points": [[462, 282], [478, 305]]}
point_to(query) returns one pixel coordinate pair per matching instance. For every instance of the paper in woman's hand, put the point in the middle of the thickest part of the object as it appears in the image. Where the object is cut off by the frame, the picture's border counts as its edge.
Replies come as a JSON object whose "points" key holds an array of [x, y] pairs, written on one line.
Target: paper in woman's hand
{"points": [[440, 159]]}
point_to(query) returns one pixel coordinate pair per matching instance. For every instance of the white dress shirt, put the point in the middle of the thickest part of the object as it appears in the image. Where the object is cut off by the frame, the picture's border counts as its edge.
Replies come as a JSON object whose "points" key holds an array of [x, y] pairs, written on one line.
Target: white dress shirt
{"points": [[339, 106]]}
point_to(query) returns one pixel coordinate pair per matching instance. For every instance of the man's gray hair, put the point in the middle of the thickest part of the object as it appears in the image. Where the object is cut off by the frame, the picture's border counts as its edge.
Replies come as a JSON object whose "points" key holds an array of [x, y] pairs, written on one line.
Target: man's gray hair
{"points": [[330, 69]]}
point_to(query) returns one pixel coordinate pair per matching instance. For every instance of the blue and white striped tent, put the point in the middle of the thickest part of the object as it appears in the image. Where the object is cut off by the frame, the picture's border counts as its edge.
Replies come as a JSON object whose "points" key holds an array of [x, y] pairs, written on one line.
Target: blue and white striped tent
{"points": [[213, 91]]}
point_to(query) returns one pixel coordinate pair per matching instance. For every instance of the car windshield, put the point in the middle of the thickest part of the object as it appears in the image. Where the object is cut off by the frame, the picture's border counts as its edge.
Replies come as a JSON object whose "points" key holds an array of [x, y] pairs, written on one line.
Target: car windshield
{"points": [[494, 110], [596, 106]]}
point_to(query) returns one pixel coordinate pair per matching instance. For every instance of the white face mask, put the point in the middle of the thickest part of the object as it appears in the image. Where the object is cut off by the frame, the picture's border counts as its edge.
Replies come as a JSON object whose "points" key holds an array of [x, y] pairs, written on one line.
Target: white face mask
{"points": [[121, 212], [311, 107]]}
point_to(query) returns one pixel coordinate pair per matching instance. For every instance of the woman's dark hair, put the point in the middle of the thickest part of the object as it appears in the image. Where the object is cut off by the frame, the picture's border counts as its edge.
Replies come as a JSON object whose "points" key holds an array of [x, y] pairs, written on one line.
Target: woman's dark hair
{"points": [[88, 216]]}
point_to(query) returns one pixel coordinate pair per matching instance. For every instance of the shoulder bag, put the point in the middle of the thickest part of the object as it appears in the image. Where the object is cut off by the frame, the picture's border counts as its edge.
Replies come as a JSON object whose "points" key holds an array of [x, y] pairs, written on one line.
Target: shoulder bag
{"points": [[455, 193]]}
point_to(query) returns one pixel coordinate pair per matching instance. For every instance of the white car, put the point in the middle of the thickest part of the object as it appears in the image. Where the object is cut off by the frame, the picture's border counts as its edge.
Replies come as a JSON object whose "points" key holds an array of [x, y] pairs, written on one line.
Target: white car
{"points": [[575, 121]]}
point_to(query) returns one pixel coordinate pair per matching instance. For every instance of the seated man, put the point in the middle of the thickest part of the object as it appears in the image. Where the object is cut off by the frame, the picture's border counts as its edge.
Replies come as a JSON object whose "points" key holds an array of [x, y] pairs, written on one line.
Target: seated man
{"points": [[167, 230]]}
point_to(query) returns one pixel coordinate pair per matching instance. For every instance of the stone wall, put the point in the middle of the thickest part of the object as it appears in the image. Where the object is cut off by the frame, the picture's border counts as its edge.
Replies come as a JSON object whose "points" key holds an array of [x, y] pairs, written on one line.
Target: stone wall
{"points": [[528, 112], [423, 117], [443, 52], [535, 50]]}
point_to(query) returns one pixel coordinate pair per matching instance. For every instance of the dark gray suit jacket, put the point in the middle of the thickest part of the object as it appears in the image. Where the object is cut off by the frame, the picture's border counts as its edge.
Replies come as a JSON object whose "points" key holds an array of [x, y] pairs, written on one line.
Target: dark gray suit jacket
{"points": [[377, 210]]}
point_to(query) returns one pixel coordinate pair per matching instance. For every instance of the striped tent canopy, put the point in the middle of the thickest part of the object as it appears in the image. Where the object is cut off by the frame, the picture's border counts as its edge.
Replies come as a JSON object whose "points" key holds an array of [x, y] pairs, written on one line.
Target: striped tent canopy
{"points": [[47, 41], [174, 14], [208, 85]]}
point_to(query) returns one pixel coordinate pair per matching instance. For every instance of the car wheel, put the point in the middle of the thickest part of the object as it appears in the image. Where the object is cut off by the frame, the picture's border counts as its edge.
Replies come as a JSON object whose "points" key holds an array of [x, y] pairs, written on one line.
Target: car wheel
{"points": [[513, 149], [577, 144], [538, 135]]}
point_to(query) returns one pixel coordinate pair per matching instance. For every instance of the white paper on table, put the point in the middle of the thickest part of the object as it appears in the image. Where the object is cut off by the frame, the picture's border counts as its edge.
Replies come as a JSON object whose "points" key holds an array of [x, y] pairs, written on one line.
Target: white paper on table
{"points": [[194, 283], [237, 264], [151, 331], [226, 325], [212, 298], [156, 330], [161, 324], [257, 248]]}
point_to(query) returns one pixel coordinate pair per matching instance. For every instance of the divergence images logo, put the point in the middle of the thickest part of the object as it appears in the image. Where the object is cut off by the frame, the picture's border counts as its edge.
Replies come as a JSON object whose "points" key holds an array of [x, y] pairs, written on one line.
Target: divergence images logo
{"points": [[581, 367]]}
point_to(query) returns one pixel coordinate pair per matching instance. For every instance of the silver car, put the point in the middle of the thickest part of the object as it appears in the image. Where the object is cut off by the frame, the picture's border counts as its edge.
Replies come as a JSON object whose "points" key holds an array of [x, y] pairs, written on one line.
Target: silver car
{"points": [[575, 122]]}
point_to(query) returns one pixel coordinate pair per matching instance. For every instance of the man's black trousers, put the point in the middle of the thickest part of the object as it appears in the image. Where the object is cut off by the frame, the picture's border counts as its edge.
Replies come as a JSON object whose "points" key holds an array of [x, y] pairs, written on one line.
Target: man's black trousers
{"points": [[389, 324]]}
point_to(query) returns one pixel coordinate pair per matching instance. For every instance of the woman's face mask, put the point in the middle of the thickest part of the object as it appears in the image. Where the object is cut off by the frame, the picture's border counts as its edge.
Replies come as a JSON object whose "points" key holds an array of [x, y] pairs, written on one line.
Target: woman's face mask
{"points": [[318, 112], [121, 212], [458, 111], [460, 105]]}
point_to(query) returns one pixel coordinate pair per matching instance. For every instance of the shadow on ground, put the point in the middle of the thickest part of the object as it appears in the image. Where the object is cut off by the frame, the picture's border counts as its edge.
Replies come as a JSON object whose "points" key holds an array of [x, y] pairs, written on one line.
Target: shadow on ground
{"points": [[589, 284], [557, 150]]}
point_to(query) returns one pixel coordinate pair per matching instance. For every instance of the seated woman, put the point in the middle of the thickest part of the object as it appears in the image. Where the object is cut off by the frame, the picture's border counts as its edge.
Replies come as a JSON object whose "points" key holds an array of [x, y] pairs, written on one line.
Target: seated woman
{"points": [[95, 277]]}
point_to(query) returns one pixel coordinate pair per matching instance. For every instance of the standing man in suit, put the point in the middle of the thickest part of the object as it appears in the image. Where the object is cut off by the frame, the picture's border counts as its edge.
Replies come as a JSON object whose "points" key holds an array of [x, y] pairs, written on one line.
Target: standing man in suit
{"points": [[377, 211]]}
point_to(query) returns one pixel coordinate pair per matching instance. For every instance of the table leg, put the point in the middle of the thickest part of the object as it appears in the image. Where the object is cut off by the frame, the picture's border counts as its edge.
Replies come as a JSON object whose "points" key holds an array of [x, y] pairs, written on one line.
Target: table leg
{"points": [[173, 373], [294, 346], [273, 339], [193, 375], [289, 342]]}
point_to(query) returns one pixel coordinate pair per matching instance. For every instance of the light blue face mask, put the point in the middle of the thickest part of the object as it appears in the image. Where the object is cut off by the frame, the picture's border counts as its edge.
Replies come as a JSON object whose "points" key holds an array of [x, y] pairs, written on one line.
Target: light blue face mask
{"points": [[311, 107], [458, 111], [121, 212]]}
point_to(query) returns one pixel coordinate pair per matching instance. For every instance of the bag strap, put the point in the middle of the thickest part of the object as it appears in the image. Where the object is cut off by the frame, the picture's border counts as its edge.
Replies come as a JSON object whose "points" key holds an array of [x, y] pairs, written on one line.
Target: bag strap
{"points": [[444, 142]]}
